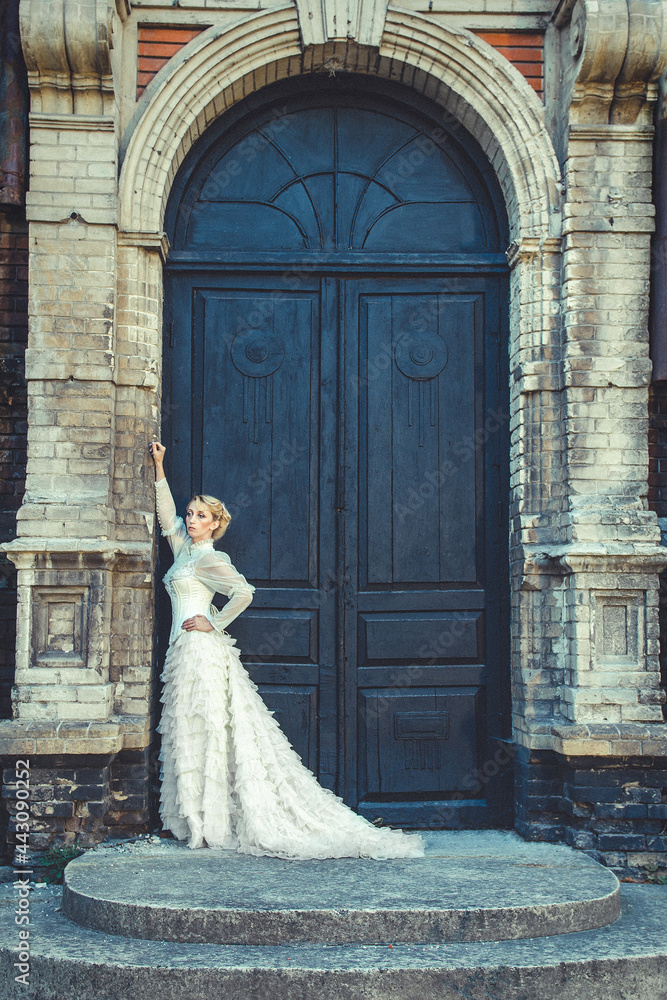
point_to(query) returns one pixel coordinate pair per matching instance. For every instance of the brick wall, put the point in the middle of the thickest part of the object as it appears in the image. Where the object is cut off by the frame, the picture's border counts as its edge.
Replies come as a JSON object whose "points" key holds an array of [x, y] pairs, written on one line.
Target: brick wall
{"points": [[13, 421], [657, 480], [615, 809], [525, 50], [156, 47], [80, 799]]}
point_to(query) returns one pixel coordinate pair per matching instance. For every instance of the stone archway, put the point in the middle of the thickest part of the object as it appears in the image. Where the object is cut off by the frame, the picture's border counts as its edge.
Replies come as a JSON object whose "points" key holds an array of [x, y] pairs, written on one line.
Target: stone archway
{"points": [[584, 547], [458, 71]]}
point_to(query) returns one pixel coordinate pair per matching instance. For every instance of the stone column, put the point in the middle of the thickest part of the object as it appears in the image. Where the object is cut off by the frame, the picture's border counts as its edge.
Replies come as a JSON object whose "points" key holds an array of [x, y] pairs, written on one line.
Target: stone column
{"points": [[592, 586], [609, 549], [84, 547]]}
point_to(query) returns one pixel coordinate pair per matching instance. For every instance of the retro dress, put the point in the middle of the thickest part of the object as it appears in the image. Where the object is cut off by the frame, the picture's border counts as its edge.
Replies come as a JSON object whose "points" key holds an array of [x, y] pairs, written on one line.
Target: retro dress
{"points": [[230, 778]]}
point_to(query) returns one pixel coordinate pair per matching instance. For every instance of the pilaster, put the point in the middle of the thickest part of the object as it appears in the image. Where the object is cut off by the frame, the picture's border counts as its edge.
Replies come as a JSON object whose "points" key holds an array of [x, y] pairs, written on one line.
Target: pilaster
{"points": [[589, 579]]}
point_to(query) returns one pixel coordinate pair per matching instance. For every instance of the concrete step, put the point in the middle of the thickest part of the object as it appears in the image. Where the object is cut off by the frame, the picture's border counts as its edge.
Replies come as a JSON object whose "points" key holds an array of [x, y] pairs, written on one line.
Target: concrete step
{"points": [[625, 960], [471, 875], [471, 887]]}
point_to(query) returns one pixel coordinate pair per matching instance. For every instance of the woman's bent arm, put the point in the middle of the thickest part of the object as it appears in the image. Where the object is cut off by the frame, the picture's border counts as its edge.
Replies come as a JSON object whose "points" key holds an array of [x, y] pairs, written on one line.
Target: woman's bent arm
{"points": [[215, 570]]}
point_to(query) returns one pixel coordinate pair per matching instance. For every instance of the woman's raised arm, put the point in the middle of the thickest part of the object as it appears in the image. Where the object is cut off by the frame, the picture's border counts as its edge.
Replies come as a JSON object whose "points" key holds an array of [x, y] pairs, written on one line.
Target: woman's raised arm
{"points": [[171, 525]]}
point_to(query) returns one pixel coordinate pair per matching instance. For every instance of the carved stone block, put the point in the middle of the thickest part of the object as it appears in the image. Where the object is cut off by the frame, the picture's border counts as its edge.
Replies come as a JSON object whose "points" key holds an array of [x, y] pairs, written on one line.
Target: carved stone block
{"points": [[60, 626]]}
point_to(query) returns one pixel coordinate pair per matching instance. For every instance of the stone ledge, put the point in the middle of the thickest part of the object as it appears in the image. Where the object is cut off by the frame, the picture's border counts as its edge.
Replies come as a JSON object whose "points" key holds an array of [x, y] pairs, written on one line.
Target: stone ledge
{"points": [[629, 739], [69, 123], [608, 132], [25, 552], [601, 557], [64, 737], [147, 241]]}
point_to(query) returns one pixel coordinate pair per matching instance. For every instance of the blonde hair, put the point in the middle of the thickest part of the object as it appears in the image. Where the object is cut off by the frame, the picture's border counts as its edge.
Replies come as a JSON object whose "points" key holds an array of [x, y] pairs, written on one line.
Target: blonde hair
{"points": [[217, 509]]}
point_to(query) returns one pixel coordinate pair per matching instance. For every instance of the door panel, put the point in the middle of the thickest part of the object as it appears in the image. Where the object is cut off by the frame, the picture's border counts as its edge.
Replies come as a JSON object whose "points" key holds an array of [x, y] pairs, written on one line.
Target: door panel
{"points": [[412, 422], [421, 372], [418, 742]]}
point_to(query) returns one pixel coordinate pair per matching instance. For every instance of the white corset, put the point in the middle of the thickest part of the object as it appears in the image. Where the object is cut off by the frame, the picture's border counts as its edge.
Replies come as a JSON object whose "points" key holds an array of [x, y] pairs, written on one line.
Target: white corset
{"points": [[188, 595]]}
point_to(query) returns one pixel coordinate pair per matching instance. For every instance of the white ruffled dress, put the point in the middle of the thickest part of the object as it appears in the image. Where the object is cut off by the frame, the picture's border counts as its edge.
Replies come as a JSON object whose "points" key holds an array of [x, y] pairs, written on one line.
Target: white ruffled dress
{"points": [[230, 777]]}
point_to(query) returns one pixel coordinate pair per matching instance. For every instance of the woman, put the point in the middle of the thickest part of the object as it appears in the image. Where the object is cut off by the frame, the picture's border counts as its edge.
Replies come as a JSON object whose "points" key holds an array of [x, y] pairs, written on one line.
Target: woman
{"points": [[229, 776]]}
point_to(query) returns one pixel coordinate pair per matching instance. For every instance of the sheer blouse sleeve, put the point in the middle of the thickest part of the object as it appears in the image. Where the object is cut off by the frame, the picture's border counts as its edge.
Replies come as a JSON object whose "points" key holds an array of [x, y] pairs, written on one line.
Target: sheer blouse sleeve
{"points": [[171, 525], [215, 570]]}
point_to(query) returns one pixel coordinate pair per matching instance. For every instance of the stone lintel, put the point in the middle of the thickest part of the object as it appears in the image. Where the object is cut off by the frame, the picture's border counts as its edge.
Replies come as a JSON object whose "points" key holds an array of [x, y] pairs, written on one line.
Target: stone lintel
{"points": [[37, 738]]}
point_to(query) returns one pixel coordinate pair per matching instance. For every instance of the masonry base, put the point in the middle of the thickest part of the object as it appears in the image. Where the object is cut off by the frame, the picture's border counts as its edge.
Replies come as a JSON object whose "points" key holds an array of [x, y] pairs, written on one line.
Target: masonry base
{"points": [[613, 808]]}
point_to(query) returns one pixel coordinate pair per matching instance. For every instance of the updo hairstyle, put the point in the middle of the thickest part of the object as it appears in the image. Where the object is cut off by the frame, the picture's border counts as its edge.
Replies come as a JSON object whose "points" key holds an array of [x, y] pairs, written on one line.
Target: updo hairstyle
{"points": [[217, 509]]}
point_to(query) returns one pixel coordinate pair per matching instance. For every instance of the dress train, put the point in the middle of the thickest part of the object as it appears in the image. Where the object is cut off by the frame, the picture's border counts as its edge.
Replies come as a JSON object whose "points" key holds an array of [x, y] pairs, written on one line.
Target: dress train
{"points": [[230, 777]]}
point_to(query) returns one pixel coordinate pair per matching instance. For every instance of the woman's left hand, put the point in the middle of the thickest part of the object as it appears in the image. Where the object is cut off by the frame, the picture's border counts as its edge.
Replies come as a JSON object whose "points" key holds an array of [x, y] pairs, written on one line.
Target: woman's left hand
{"points": [[199, 623]]}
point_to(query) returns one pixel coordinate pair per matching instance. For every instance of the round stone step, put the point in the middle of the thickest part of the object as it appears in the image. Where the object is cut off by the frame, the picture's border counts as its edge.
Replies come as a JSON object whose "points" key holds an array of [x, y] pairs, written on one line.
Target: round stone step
{"points": [[215, 896]]}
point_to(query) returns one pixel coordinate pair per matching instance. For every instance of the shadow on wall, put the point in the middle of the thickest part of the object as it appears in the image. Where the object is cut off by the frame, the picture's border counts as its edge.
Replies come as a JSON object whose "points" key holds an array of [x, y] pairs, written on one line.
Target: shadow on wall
{"points": [[13, 320]]}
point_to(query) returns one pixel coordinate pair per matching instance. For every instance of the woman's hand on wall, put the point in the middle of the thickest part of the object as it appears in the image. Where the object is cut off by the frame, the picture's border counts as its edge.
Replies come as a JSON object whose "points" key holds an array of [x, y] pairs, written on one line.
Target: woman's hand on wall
{"points": [[158, 450]]}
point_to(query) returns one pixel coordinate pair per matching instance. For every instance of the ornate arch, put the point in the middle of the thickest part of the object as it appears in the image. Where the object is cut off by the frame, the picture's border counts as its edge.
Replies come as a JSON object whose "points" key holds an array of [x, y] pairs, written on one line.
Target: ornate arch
{"points": [[453, 67]]}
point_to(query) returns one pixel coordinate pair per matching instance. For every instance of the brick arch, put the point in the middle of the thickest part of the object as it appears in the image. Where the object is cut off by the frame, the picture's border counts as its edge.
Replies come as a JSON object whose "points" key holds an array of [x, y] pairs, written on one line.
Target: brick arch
{"points": [[453, 67]]}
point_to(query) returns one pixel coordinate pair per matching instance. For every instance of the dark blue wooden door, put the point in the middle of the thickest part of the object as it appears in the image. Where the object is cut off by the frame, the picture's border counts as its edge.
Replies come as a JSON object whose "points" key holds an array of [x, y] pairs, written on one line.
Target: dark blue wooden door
{"points": [[333, 370], [421, 501]]}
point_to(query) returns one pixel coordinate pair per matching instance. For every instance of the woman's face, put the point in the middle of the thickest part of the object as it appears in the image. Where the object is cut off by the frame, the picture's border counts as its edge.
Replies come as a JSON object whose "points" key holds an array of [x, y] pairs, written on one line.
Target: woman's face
{"points": [[199, 522]]}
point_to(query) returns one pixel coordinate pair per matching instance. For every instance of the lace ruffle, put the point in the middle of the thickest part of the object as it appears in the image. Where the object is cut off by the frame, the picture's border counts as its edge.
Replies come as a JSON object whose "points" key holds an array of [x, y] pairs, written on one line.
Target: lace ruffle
{"points": [[230, 777], [175, 528]]}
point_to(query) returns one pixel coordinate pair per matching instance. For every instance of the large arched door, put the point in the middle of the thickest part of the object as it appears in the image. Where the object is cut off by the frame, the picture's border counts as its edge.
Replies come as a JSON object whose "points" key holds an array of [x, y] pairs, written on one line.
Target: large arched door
{"points": [[334, 364]]}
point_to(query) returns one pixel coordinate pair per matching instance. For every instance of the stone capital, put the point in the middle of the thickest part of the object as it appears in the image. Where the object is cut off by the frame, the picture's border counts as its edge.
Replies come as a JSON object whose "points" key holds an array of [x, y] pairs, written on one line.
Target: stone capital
{"points": [[67, 46], [613, 53], [157, 242]]}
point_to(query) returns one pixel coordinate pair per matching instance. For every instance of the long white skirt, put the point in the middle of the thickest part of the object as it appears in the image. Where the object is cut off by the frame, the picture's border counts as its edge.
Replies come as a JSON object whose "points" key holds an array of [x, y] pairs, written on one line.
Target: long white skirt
{"points": [[230, 777]]}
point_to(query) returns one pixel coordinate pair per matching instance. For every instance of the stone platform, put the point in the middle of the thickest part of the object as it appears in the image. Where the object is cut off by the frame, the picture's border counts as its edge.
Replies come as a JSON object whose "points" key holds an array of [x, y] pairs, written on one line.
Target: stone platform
{"points": [[459, 892], [329, 919]]}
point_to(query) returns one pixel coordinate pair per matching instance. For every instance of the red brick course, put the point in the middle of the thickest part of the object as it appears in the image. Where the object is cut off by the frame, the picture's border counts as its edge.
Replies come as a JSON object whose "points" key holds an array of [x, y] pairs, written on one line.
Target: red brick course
{"points": [[524, 50], [156, 47]]}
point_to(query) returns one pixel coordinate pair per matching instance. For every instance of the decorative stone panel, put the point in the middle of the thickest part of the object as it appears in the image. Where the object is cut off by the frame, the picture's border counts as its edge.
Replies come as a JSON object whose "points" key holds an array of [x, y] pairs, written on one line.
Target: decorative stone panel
{"points": [[325, 20], [68, 51], [617, 629], [613, 54], [64, 659], [59, 626]]}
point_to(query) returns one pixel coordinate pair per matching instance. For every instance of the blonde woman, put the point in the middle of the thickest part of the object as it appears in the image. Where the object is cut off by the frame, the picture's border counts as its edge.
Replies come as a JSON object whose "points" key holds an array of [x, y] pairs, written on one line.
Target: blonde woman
{"points": [[229, 777]]}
